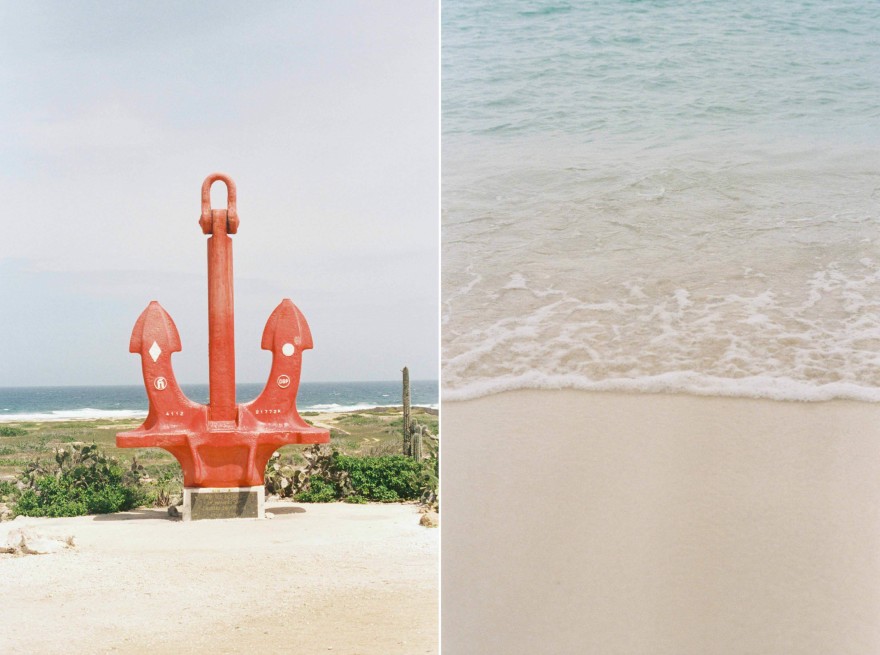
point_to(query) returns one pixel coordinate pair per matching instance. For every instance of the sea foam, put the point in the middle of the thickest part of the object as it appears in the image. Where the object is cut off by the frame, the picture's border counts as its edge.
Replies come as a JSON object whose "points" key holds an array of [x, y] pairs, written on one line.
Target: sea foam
{"points": [[757, 386], [336, 408], [86, 413]]}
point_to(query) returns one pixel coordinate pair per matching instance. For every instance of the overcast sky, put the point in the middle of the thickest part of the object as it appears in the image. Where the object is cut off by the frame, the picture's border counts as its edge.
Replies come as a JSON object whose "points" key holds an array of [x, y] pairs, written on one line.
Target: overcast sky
{"points": [[112, 113]]}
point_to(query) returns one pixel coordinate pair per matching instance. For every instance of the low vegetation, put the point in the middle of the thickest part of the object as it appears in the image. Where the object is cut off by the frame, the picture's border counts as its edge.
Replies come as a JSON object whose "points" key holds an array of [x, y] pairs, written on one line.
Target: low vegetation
{"points": [[80, 480], [68, 469], [330, 475]]}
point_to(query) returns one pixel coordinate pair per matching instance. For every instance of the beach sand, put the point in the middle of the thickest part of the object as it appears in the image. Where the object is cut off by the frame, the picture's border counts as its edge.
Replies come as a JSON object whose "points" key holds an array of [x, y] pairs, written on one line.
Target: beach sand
{"points": [[333, 578], [585, 522]]}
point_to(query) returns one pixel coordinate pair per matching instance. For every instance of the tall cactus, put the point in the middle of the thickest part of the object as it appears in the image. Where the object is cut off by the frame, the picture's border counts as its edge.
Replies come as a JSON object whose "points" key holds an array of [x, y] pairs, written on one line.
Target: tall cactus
{"points": [[417, 443], [407, 420]]}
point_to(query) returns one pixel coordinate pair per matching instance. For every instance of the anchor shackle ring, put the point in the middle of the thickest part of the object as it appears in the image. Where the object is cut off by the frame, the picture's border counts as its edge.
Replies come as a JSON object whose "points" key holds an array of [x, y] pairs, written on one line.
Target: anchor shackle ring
{"points": [[231, 211]]}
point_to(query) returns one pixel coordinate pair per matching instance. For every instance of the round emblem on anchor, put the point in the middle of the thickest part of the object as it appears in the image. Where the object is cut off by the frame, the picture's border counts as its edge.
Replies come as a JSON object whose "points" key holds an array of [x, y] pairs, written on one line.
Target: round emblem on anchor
{"points": [[283, 381], [160, 383]]}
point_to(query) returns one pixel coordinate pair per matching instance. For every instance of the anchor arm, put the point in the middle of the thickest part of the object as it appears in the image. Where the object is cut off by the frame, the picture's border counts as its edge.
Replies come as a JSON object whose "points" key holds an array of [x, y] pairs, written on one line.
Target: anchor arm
{"points": [[287, 335], [155, 338]]}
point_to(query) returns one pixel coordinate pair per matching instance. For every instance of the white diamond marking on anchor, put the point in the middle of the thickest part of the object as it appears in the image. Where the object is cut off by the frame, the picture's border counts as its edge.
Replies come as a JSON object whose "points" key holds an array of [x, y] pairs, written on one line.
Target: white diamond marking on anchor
{"points": [[155, 351]]}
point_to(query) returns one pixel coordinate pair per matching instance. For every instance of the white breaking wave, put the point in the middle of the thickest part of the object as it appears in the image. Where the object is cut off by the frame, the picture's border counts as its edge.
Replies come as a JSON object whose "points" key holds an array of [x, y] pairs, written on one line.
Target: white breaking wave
{"points": [[757, 386], [86, 413], [336, 408]]}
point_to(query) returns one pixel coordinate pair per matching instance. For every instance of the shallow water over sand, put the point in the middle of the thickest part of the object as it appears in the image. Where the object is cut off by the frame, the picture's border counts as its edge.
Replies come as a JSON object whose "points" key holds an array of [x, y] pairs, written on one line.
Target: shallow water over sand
{"points": [[693, 210]]}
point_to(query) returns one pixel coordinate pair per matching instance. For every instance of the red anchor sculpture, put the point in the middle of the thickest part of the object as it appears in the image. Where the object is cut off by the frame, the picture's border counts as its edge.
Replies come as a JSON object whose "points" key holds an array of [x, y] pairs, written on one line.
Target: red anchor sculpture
{"points": [[221, 444]]}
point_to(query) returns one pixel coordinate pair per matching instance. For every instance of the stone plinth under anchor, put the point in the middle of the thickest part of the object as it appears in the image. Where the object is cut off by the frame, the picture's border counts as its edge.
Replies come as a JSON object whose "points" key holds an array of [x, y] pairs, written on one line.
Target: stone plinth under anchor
{"points": [[223, 503]]}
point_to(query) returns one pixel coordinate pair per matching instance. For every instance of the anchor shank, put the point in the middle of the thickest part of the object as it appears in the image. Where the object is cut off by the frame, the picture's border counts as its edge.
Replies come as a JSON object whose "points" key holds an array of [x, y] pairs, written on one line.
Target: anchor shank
{"points": [[221, 323]]}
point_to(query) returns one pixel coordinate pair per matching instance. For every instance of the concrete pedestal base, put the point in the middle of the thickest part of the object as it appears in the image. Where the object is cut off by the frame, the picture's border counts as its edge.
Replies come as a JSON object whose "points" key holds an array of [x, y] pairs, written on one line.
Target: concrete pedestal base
{"points": [[224, 503]]}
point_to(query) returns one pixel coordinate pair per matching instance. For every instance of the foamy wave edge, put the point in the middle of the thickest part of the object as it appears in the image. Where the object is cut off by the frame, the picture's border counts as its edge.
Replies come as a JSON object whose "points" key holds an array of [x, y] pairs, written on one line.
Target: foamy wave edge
{"points": [[687, 382], [84, 414], [333, 408]]}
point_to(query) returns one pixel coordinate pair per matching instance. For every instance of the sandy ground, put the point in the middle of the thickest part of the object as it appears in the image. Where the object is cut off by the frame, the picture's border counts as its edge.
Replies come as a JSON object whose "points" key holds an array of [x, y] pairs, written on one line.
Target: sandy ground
{"points": [[333, 578], [579, 522]]}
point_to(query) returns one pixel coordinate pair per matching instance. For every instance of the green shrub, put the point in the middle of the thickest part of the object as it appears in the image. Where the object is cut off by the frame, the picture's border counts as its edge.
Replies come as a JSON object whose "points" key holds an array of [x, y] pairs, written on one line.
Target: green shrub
{"points": [[386, 479], [82, 480], [12, 431], [8, 491], [319, 491], [329, 476]]}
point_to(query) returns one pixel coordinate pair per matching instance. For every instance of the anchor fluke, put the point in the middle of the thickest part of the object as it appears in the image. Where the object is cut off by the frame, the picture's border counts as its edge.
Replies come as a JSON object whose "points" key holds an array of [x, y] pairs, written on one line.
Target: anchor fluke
{"points": [[287, 335], [155, 338], [154, 325], [286, 325]]}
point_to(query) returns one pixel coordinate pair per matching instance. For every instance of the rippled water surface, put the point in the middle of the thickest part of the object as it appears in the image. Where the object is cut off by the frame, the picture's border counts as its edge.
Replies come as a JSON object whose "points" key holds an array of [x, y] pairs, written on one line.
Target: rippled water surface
{"points": [[662, 196]]}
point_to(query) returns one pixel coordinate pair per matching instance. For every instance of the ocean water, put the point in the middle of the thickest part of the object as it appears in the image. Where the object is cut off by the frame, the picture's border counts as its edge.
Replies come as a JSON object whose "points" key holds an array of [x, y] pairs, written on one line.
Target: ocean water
{"points": [[662, 196], [66, 403]]}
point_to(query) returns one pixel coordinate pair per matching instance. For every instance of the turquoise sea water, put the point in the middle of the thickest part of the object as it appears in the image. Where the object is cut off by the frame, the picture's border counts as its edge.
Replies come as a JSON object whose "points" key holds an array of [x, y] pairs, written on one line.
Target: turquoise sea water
{"points": [[60, 403], [662, 196]]}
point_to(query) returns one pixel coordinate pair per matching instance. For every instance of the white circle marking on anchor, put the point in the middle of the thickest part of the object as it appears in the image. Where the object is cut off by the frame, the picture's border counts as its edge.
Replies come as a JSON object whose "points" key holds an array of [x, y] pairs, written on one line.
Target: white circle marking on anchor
{"points": [[283, 381], [160, 383], [287, 349]]}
